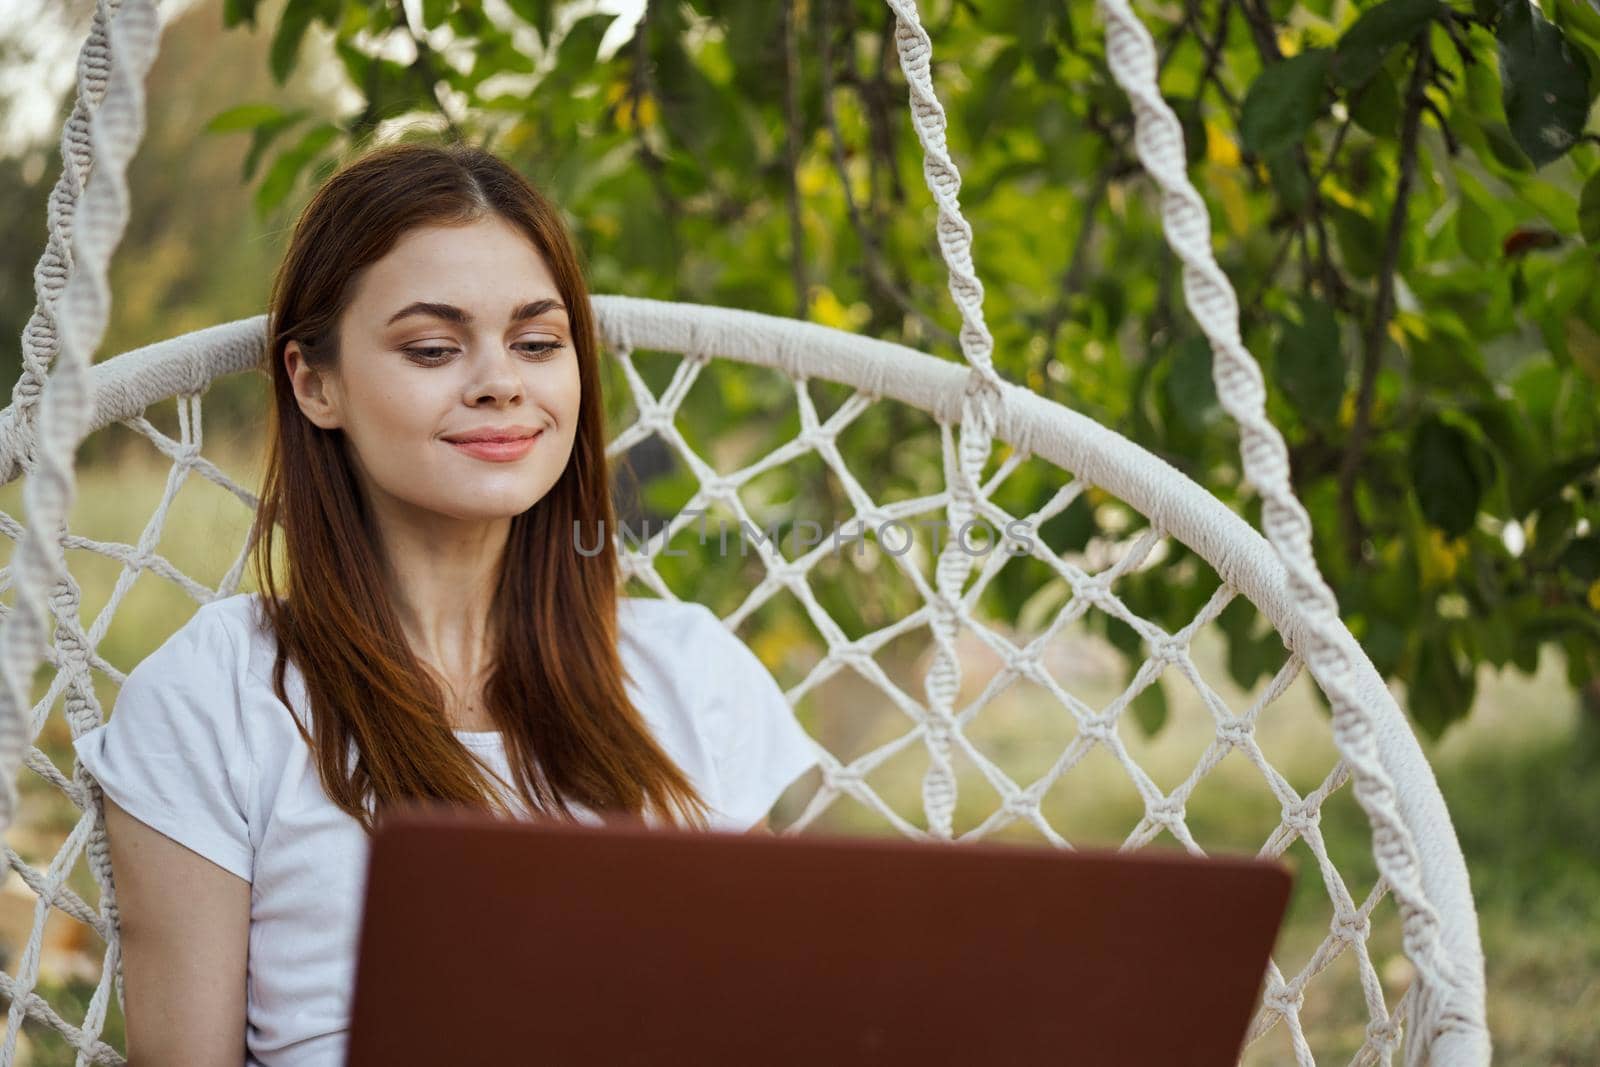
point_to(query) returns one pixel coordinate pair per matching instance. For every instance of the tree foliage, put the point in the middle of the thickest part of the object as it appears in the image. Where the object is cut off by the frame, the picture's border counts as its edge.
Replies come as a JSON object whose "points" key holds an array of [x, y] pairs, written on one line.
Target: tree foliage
{"points": [[1406, 195]]}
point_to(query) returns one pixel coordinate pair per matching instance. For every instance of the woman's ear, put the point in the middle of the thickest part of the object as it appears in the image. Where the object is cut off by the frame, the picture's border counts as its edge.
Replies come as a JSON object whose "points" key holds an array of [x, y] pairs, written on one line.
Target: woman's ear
{"points": [[314, 391]]}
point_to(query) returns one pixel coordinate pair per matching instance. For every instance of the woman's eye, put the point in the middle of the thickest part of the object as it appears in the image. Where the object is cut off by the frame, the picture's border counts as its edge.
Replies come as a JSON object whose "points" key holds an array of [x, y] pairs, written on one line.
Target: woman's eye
{"points": [[436, 354], [427, 354]]}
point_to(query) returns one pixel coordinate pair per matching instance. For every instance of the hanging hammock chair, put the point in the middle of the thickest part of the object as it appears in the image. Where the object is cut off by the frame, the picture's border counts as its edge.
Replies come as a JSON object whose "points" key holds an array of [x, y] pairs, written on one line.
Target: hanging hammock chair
{"points": [[1420, 873]]}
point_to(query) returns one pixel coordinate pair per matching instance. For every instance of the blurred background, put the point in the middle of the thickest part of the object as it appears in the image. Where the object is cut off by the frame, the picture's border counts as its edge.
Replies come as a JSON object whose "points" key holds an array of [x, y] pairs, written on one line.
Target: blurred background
{"points": [[1404, 193]]}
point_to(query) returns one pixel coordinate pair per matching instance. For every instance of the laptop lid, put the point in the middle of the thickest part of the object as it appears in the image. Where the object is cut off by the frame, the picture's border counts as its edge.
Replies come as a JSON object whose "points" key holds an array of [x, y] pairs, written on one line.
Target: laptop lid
{"points": [[493, 941]]}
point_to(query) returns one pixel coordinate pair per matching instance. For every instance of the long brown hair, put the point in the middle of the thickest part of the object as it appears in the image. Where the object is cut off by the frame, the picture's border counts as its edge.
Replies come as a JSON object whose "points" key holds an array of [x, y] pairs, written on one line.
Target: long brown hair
{"points": [[556, 687]]}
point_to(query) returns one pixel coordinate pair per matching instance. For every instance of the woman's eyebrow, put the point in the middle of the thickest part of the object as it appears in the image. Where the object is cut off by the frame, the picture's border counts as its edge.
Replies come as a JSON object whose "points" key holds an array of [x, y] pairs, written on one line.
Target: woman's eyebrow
{"points": [[450, 313]]}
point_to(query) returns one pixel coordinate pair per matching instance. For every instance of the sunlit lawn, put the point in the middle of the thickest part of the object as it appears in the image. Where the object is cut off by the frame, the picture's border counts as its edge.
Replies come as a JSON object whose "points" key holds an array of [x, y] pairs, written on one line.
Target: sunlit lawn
{"points": [[1526, 803]]}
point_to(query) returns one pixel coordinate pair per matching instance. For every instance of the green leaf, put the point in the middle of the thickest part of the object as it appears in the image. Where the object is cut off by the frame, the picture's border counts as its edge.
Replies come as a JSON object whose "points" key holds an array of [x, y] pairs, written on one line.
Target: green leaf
{"points": [[1194, 128], [357, 64], [237, 11], [1449, 360], [434, 12], [1504, 148], [1289, 179], [1580, 15], [243, 117], [1309, 367], [1483, 92], [990, 99], [1365, 45], [536, 13], [1359, 241], [1376, 107], [1191, 392], [1440, 690], [1545, 84], [1581, 558], [281, 176], [1384, 644], [262, 137], [1150, 708], [1284, 100], [286, 39], [1448, 482], [1589, 209], [1475, 231]]}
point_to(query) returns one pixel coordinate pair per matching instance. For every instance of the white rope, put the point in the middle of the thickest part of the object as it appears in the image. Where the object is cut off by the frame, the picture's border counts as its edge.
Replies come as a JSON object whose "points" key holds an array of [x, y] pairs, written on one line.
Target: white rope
{"points": [[39, 340], [45, 589], [980, 411], [1447, 1002]]}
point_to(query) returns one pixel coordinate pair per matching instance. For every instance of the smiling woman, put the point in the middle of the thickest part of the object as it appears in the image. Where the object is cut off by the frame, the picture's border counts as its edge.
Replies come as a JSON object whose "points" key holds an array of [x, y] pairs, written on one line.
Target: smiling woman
{"points": [[428, 631]]}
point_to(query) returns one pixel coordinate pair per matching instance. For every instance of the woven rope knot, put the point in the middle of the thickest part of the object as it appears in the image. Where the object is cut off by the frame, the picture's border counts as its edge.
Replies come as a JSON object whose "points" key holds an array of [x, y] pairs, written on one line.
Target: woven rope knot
{"points": [[718, 489], [1168, 649], [1234, 732], [1097, 728], [844, 778], [1283, 999], [1300, 818], [1168, 812], [790, 573], [1095, 591], [1351, 927], [1020, 805], [1384, 1036], [654, 416], [1025, 660], [853, 655], [872, 518]]}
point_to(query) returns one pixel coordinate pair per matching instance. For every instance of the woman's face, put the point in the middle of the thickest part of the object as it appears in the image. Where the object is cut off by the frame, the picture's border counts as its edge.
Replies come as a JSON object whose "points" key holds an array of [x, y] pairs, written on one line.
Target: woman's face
{"points": [[458, 330]]}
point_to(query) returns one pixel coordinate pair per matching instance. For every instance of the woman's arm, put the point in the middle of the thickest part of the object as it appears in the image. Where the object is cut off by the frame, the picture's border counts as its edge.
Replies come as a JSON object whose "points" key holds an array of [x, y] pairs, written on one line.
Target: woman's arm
{"points": [[185, 925], [759, 828]]}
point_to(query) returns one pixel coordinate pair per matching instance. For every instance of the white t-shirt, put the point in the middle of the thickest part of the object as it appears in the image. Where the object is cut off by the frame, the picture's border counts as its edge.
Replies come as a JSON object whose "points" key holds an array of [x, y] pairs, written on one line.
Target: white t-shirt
{"points": [[199, 747]]}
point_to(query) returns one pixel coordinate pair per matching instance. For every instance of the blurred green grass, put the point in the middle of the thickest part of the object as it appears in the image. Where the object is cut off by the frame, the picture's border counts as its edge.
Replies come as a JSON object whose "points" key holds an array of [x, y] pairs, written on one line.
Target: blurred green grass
{"points": [[1522, 791]]}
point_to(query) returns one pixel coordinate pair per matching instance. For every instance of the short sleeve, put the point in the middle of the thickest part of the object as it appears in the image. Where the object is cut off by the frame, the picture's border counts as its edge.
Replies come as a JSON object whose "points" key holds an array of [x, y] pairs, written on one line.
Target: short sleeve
{"points": [[758, 746], [171, 754]]}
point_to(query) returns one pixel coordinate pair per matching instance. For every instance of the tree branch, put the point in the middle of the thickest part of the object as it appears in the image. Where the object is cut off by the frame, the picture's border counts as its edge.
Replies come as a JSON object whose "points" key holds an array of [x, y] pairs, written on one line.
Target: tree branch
{"points": [[1383, 304], [425, 67], [872, 251], [1212, 47], [639, 86], [1259, 19], [787, 34]]}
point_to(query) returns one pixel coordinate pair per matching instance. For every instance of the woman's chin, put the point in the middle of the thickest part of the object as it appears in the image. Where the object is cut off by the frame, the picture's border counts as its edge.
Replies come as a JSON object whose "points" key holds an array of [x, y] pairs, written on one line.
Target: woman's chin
{"points": [[488, 508]]}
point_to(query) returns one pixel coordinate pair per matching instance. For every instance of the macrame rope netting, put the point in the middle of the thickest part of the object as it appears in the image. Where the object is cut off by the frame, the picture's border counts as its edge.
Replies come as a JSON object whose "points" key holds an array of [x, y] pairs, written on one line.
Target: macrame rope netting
{"points": [[883, 372], [980, 410], [1451, 997], [1451, 1011], [87, 214]]}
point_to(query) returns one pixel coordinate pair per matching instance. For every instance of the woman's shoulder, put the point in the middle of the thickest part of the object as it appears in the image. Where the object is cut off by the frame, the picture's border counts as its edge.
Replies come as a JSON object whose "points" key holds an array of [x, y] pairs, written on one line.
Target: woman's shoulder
{"points": [[680, 637], [207, 643], [653, 612], [225, 648], [700, 676]]}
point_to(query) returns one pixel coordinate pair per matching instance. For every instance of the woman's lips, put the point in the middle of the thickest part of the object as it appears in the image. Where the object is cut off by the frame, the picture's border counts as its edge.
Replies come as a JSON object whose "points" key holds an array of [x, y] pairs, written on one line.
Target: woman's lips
{"points": [[497, 451]]}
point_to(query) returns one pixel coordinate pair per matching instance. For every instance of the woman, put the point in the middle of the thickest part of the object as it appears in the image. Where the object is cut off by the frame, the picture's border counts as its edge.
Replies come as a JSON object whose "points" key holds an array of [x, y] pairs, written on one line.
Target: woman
{"points": [[436, 456]]}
